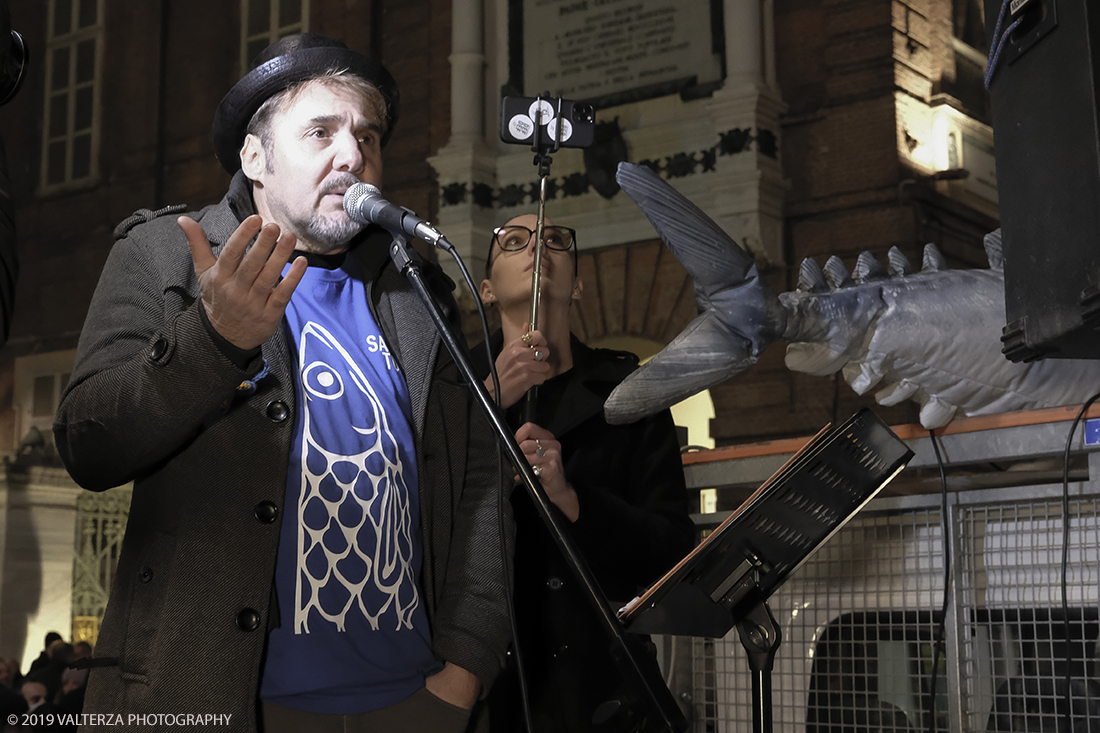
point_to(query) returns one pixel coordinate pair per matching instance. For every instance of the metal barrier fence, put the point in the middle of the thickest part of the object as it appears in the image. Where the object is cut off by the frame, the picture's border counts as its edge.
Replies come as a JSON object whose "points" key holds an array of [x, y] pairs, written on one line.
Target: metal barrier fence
{"points": [[860, 620]]}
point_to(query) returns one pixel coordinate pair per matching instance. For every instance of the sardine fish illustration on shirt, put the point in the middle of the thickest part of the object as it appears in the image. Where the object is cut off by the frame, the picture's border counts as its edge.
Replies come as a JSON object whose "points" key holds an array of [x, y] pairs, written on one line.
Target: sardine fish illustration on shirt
{"points": [[355, 534]]}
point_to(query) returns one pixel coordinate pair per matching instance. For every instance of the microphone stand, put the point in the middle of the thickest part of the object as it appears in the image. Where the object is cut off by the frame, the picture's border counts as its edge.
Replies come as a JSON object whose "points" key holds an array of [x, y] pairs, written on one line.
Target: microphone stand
{"points": [[657, 709]]}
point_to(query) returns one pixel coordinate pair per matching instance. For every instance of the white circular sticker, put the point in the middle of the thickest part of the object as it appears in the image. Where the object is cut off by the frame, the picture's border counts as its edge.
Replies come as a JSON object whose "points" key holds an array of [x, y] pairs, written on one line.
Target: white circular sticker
{"points": [[547, 111], [521, 127], [566, 130]]}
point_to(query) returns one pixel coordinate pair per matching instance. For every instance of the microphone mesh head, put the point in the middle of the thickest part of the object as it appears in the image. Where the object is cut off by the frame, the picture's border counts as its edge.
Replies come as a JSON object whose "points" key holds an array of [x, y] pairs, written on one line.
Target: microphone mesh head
{"points": [[355, 195]]}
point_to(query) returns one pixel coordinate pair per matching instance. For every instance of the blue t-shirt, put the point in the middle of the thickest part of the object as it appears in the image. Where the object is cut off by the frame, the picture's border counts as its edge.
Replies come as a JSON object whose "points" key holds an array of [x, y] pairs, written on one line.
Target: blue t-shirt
{"points": [[354, 635]]}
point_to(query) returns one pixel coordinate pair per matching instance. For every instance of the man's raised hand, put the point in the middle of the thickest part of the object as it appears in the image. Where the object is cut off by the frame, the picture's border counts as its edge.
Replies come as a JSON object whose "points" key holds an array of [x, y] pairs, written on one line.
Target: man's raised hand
{"points": [[241, 291]]}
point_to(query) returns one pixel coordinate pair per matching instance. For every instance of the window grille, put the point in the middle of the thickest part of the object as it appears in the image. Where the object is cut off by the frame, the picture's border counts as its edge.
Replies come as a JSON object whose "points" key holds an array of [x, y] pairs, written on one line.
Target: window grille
{"points": [[100, 525]]}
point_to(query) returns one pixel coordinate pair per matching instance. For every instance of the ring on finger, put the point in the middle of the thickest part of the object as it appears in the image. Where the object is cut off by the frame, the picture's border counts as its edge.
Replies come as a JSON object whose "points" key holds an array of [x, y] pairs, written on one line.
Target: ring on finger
{"points": [[526, 338], [539, 450], [539, 354], [537, 470]]}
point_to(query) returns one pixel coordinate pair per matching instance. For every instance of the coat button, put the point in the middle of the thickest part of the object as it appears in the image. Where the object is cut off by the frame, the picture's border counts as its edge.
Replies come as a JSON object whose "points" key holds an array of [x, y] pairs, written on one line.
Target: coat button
{"points": [[248, 619], [145, 575], [266, 512], [277, 411], [554, 584], [160, 348]]}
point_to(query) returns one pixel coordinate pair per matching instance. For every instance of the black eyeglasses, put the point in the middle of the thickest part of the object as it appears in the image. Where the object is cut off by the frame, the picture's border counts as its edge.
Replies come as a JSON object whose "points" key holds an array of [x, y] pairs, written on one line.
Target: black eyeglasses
{"points": [[515, 238]]}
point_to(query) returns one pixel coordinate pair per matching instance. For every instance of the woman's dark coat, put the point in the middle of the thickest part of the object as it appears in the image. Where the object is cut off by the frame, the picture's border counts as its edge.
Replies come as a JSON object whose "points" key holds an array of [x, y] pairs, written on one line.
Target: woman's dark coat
{"points": [[633, 527]]}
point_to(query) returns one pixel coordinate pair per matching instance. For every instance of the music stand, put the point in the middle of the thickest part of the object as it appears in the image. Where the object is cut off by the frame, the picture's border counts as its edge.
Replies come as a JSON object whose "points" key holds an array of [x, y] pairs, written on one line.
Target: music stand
{"points": [[728, 578]]}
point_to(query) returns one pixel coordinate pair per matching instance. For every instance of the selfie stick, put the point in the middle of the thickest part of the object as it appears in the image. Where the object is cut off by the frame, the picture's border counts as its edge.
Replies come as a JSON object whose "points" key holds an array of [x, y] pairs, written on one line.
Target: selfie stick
{"points": [[542, 160]]}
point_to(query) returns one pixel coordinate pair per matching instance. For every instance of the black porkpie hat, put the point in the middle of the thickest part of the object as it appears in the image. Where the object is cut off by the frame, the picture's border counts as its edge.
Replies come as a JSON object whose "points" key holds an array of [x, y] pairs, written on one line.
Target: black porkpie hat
{"points": [[290, 60]]}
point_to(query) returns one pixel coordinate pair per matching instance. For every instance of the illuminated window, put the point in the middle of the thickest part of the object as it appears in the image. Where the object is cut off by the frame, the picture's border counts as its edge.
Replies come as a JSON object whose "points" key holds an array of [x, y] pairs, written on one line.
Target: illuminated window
{"points": [[74, 52], [265, 21]]}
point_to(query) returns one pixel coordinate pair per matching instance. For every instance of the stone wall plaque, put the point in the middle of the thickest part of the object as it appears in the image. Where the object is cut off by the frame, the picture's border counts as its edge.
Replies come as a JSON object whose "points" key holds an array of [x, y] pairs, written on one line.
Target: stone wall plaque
{"points": [[616, 51]]}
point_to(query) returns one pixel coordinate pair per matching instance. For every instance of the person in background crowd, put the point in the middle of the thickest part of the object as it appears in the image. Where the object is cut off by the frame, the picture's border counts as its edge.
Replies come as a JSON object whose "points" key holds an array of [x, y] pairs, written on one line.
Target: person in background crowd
{"points": [[70, 700], [82, 650], [12, 701], [44, 657], [38, 690], [9, 674]]}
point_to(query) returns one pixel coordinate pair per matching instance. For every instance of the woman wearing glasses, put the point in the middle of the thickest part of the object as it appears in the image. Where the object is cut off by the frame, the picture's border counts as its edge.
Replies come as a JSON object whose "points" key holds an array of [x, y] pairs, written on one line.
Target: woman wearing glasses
{"points": [[621, 487]]}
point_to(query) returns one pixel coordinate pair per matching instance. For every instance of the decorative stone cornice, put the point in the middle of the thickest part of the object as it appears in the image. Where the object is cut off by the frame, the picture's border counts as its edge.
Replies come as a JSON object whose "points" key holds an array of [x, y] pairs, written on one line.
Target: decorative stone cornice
{"points": [[736, 141]]}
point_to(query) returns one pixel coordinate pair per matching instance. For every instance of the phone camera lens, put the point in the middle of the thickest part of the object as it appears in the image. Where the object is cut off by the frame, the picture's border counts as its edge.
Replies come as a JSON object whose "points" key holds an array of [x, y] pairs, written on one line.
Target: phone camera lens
{"points": [[583, 113]]}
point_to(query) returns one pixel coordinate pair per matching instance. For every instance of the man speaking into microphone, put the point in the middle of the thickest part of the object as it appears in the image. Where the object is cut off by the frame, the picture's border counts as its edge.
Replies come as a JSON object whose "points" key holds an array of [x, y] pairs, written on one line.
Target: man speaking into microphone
{"points": [[313, 542]]}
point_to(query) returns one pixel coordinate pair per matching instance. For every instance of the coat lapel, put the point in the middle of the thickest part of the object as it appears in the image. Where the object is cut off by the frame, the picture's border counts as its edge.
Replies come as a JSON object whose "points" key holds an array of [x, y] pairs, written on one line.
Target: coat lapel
{"points": [[581, 403], [589, 383], [409, 330], [417, 352]]}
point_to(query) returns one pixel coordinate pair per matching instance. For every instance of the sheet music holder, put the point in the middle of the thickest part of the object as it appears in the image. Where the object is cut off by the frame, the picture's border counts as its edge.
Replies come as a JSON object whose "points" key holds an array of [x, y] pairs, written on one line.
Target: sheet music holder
{"points": [[741, 563]]}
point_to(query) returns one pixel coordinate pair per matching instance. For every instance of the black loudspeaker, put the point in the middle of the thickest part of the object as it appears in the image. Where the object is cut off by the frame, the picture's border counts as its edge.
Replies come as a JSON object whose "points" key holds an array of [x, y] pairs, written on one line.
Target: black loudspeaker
{"points": [[1045, 95]]}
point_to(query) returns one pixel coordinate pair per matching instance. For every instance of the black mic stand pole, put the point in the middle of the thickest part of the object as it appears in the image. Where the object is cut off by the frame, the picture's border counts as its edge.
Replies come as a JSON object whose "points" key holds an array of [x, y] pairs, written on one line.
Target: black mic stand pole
{"points": [[760, 636], [657, 716]]}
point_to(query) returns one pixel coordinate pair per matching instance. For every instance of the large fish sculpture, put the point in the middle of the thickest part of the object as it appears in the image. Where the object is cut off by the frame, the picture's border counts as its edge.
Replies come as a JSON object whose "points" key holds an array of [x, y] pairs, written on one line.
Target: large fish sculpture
{"points": [[932, 336]]}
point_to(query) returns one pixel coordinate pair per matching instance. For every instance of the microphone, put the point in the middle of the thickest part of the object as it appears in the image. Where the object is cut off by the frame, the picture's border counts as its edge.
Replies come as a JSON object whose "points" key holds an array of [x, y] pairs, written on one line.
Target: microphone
{"points": [[365, 205]]}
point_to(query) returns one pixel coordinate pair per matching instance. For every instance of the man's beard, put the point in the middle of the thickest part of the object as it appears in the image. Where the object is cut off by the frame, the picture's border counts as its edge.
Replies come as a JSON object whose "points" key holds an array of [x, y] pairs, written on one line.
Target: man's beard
{"points": [[326, 234], [330, 234]]}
